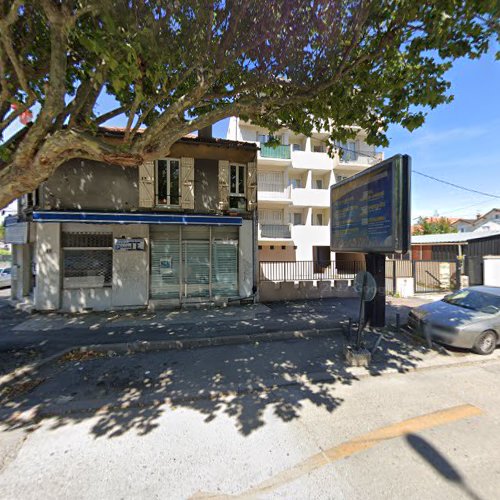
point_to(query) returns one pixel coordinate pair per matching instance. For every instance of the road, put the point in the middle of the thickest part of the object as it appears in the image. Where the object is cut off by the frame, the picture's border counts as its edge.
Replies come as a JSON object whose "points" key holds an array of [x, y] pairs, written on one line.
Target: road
{"points": [[424, 434]]}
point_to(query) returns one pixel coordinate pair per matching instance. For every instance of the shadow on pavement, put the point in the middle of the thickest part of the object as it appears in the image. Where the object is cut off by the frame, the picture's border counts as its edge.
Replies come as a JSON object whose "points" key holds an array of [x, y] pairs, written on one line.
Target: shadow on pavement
{"points": [[124, 393], [439, 463]]}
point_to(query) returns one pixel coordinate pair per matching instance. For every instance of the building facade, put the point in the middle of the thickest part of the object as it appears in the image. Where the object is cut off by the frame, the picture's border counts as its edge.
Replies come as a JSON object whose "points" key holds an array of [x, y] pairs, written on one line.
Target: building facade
{"points": [[173, 231], [294, 181]]}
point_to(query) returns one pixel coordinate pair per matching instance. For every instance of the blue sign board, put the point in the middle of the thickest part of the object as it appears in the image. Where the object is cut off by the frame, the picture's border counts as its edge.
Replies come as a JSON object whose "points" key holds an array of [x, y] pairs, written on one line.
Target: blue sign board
{"points": [[370, 211]]}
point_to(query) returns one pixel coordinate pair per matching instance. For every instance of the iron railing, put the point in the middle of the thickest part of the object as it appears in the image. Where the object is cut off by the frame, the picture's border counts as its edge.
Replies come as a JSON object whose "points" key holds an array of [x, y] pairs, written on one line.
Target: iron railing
{"points": [[281, 152], [275, 231], [308, 270]]}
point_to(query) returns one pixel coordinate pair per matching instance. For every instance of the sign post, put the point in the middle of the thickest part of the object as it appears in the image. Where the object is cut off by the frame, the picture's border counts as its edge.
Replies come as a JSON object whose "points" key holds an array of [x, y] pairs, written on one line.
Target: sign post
{"points": [[370, 214]]}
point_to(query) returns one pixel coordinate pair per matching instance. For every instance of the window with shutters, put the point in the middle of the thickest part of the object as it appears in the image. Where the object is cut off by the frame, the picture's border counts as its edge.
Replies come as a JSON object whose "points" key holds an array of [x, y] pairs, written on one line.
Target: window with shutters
{"points": [[167, 182], [237, 187], [87, 259]]}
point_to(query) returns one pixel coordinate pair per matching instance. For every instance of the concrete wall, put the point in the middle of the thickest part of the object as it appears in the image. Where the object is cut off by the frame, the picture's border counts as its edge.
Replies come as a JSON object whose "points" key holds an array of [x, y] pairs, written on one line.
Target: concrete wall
{"points": [[206, 185], [246, 269], [131, 269], [278, 253], [271, 292], [48, 267], [84, 184]]}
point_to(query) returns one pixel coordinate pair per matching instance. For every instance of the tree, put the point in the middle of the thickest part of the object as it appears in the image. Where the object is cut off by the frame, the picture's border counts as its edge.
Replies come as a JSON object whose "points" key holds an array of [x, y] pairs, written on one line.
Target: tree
{"points": [[433, 225], [177, 66]]}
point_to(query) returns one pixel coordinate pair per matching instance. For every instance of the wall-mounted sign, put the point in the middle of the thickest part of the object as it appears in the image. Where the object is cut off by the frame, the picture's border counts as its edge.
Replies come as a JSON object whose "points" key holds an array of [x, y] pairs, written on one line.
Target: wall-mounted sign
{"points": [[16, 232], [166, 268], [129, 244], [370, 211]]}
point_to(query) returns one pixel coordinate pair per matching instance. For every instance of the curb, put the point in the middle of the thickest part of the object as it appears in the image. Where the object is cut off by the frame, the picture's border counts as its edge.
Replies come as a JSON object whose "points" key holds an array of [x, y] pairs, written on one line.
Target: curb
{"points": [[168, 345]]}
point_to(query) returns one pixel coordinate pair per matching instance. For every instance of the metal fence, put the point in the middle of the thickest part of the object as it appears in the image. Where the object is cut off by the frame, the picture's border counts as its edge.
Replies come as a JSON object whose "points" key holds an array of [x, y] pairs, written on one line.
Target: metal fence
{"points": [[308, 270]]}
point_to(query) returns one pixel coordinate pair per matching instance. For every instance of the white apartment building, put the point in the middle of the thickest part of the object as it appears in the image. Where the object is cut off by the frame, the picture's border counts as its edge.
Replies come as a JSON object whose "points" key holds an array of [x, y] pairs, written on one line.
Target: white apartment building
{"points": [[293, 190]]}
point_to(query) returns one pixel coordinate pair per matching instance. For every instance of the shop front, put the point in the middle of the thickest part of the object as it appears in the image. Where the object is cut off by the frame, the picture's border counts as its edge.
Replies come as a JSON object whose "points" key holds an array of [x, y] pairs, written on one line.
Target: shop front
{"points": [[104, 261]]}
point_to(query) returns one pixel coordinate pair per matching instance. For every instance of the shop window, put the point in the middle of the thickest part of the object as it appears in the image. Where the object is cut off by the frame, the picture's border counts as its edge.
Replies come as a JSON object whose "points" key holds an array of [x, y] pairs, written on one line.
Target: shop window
{"points": [[87, 260], [237, 187], [167, 175]]}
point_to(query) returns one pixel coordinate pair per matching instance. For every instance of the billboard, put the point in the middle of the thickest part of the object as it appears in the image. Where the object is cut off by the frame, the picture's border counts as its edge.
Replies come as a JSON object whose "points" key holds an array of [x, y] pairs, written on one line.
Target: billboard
{"points": [[370, 211]]}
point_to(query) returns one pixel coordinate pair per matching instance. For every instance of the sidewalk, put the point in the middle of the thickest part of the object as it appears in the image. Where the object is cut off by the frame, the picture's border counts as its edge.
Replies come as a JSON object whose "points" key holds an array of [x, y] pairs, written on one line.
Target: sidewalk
{"points": [[47, 333]]}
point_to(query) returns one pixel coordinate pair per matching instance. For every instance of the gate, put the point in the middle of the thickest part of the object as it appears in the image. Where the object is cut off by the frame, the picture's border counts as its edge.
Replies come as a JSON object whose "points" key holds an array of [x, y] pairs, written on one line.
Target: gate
{"points": [[434, 276]]}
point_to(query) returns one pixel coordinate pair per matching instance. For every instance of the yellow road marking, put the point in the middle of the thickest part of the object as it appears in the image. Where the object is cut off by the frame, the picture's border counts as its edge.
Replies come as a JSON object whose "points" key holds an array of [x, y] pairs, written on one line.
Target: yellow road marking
{"points": [[356, 445]]}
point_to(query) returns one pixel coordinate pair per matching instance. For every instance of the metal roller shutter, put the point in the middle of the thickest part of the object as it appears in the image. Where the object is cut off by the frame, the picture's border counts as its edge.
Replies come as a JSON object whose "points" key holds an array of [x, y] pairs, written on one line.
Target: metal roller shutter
{"points": [[165, 263]]}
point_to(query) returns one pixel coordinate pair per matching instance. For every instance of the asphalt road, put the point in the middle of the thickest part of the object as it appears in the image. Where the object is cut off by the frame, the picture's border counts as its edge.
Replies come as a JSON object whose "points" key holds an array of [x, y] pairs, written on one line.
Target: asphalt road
{"points": [[424, 434]]}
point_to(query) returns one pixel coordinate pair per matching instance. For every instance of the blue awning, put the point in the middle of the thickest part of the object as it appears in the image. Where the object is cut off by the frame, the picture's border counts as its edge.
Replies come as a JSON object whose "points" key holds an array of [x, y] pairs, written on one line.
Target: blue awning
{"points": [[136, 218]]}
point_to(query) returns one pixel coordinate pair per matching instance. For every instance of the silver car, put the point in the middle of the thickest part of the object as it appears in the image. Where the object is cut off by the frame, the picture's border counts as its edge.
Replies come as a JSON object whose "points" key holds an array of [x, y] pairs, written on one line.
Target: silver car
{"points": [[469, 318], [5, 277]]}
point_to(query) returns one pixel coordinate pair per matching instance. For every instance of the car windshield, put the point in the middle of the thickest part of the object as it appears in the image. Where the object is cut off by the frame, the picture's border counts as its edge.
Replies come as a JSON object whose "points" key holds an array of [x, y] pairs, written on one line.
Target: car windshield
{"points": [[475, 300]]}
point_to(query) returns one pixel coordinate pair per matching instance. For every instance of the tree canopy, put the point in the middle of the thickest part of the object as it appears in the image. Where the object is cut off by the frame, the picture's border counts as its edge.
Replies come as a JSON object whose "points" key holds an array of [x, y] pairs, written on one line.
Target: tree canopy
{"points": [[172, 67], [433, 225]]}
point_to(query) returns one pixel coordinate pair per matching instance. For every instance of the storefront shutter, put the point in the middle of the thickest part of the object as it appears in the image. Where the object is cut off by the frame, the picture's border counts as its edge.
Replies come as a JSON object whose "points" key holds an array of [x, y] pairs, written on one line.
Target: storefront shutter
{"points": [[165, 263], [187, 186], [252, 185], [147, 184], [223, 184], [225, 268]]}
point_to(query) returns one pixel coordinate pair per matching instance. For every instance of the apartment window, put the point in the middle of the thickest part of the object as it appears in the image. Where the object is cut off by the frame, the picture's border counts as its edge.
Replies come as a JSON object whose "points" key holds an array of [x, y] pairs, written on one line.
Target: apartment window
{"points": [[297, 147], [318, 220], [319, 183], [349, 151], [295, 183], [87, 259], [167, 175], [320, 148], [265, 138], [237, 187], [297, 219]]}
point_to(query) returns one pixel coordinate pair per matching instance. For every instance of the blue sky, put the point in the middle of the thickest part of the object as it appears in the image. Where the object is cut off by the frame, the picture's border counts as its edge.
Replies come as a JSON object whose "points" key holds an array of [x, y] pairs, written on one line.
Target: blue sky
{"points": [[459, 142]]}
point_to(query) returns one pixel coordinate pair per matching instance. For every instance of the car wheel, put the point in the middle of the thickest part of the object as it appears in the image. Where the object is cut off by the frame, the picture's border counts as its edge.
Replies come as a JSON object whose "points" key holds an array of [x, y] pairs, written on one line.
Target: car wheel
{"points": [[485, 343]]}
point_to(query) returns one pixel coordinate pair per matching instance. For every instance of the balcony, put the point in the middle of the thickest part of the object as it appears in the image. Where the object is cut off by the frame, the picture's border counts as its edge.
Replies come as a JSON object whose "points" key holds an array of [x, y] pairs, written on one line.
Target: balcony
{"points": [[306, 197], [276, 231], [306, 160], [281, 152], [274, 193], [361, 158]]}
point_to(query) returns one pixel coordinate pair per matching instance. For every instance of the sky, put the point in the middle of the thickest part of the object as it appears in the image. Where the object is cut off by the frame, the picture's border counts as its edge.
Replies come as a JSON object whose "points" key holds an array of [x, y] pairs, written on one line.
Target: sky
{"points": [[459, 143]]}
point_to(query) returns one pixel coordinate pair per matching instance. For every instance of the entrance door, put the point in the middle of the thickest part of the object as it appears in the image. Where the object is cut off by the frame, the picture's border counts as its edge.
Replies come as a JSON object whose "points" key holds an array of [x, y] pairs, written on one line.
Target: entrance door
{"points": [[196, 269]]}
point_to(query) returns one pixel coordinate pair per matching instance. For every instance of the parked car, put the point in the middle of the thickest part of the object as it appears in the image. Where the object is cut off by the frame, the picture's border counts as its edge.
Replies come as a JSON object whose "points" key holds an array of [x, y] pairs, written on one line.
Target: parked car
{"points": [[469, 318], [5, 278]]}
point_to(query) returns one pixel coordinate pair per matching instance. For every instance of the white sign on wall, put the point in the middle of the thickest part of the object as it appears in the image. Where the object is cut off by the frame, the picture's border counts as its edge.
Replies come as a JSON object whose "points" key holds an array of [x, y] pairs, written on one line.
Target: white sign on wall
{"points": [[129, 244], [16, 233]]}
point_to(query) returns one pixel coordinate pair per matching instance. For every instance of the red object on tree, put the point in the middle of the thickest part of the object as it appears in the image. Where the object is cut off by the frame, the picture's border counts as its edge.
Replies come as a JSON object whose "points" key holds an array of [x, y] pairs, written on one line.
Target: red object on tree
{"points": [[25, 117]]}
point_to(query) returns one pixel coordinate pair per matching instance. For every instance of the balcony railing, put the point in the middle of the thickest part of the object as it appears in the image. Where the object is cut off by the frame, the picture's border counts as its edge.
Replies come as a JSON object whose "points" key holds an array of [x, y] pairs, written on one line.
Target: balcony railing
{"points": [[273, 191], [309, 270], [362, 156], [275, 231], [281, 152]]}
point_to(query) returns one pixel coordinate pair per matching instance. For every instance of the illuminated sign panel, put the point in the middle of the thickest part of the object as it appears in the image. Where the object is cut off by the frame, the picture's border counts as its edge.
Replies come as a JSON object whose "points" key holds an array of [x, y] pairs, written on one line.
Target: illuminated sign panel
{"points": [[370, 211]]}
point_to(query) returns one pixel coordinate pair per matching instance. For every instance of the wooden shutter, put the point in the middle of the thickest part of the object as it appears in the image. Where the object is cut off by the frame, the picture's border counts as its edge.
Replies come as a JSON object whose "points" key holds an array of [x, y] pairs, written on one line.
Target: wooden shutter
{"points": [[223, 184], [252, 185], [147, 184], [187, 185]]}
